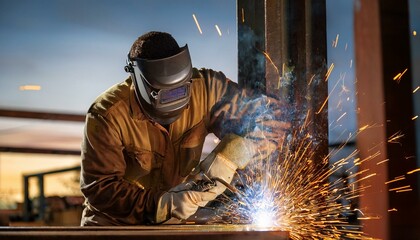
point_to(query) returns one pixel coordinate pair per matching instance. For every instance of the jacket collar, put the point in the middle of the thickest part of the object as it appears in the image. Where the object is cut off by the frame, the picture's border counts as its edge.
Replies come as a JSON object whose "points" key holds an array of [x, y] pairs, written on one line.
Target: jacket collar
{"points": [[135, 109]]}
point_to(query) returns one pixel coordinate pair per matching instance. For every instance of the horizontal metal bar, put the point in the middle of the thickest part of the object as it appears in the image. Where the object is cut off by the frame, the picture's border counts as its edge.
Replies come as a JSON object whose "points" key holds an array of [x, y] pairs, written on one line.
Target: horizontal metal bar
{"points": [[179, 232], [77, 168], [42, 115], [38, 150]]}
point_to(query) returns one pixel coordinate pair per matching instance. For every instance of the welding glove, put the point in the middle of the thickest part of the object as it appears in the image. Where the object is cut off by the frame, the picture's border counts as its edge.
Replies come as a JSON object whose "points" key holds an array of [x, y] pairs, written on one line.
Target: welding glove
{"points": [[181, 202], [272, 125], [231, 153], [264, 145]]}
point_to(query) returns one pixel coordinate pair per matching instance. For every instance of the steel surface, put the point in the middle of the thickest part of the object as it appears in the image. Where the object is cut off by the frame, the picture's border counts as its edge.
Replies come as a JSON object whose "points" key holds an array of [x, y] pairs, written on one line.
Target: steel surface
{"points": [[202, 232]]}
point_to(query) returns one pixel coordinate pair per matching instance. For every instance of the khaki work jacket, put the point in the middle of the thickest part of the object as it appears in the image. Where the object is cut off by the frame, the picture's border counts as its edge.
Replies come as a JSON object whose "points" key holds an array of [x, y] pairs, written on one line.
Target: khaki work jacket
{"points": [[128, 161]]}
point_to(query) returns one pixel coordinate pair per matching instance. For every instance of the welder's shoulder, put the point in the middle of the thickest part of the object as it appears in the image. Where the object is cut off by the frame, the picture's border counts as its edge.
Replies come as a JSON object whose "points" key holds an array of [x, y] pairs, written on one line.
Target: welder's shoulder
{"points": [[207, 74], [112, 98]]}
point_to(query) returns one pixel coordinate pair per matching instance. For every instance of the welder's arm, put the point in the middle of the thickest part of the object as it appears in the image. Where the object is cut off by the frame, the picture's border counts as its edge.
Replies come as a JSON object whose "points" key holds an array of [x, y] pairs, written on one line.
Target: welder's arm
{"points": [[232, 153], [245, 113], [219, 166], [181, 202], [261, 121]]}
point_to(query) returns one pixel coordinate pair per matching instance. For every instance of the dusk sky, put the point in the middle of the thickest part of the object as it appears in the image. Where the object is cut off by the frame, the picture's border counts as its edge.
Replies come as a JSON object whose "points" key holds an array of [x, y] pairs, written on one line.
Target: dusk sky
{"points": [[77, 49]]}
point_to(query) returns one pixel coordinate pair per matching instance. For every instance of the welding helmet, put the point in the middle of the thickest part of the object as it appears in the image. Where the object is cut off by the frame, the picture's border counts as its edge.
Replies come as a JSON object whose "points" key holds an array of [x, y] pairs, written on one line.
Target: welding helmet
{"points": [[163, 86]]}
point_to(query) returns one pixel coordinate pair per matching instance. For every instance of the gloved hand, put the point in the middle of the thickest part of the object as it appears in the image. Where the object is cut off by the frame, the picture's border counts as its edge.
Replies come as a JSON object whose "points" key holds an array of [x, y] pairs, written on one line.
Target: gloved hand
{"points": [[231, 153], [180, 202], [272, 126]]}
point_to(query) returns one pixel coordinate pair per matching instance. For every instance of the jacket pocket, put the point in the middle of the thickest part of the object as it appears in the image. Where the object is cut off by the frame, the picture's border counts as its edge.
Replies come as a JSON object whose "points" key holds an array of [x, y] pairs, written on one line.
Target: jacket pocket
{"points": [[191, 148], [143, 167]]}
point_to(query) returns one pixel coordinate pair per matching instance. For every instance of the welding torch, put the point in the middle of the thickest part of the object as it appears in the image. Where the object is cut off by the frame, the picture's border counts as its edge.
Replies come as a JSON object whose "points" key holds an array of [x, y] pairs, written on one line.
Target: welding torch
{"points": [[205, 184]]}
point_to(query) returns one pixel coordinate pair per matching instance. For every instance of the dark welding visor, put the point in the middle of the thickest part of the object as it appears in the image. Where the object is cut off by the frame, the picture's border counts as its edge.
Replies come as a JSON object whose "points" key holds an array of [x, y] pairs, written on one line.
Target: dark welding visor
{"points": [[162, 85], [165, 72]]}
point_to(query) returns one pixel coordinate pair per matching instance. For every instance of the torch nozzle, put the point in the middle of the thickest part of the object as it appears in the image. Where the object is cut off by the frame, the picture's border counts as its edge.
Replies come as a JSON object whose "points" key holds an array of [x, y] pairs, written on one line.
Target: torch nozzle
{"points": [[229, 186], [207, 183]]}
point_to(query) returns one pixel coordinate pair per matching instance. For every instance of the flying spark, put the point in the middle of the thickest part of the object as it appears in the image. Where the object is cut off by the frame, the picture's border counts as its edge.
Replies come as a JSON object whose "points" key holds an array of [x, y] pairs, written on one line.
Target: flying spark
{"points": [[294, 192], [413, 171], [399, 188], [267, 56], [395, 180], [327, 75], [368, 126], [218, 30], [326, 100], [285, 73], [399, 76], [395, 137], [335, 42], [404, 190], [383, 161], [344, 114], [196, 23]]}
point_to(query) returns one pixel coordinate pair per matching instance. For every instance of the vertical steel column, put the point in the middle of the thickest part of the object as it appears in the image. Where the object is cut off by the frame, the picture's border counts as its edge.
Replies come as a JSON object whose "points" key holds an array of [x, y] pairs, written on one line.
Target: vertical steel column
{"points": [[383, 51], [41, 207], [27, 208], [251, 44], [27, 203], [282, 51]]}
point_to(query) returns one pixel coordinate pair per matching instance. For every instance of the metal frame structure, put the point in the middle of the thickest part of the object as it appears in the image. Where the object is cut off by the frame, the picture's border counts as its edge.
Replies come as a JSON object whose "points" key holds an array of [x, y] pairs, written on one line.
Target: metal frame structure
{"points": [[27, 208]]}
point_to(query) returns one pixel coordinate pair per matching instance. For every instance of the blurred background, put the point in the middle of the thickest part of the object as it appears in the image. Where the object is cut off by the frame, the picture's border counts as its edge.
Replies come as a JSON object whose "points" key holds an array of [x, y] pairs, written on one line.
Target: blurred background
{"points": [[57, 56]]}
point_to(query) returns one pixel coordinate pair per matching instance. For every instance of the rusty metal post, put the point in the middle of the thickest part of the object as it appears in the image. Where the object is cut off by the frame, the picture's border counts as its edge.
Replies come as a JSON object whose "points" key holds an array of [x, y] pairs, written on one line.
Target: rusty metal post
{"points": [[282, 51], [383, 51], [251, 44]]}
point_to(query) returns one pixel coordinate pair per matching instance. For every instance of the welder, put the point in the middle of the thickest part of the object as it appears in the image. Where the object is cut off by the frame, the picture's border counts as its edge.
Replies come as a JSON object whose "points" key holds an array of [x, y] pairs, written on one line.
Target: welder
{"points": [[144, 137]]}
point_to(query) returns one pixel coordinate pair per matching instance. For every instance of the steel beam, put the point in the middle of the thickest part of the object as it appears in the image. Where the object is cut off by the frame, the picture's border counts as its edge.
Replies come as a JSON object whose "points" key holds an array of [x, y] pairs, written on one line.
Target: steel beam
{"points": [[282, 52], [382, 51]]}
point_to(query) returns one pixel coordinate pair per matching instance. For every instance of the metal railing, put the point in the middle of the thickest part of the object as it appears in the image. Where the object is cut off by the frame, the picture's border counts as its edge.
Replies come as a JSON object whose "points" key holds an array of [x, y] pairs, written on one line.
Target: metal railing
{"points": [[27, 206]]}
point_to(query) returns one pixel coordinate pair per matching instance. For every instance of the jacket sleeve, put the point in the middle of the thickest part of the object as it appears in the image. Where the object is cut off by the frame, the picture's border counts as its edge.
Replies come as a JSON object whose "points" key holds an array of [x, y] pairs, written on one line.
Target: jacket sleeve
{"points": [[236, 110], [108, 194]]}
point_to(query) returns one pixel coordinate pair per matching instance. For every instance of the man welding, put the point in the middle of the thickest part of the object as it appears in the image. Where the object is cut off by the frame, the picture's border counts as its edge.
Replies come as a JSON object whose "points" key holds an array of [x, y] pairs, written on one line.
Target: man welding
{"points": [[144, 137]]}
